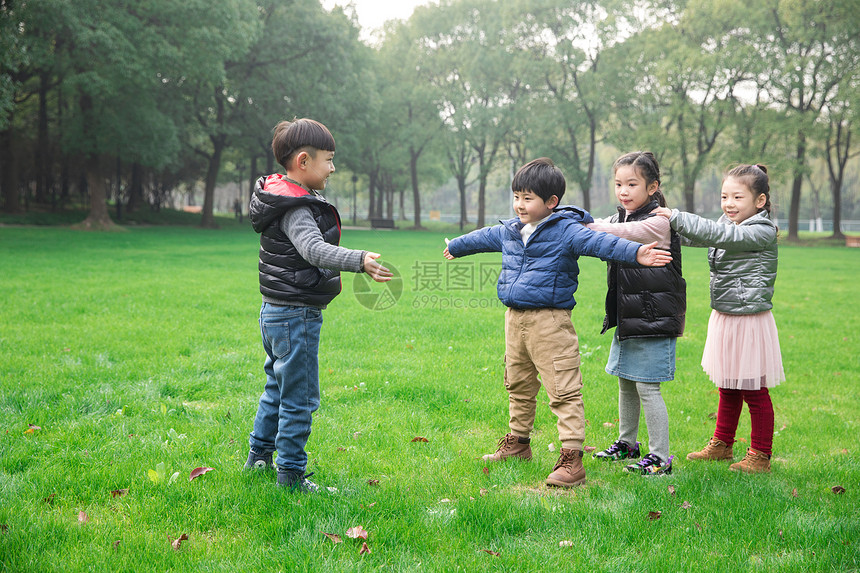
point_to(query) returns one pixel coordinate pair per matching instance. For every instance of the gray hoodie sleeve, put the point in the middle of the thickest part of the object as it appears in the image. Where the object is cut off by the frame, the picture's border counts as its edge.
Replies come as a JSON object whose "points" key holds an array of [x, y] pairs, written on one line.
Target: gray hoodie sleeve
{"points": [[301, 228]]}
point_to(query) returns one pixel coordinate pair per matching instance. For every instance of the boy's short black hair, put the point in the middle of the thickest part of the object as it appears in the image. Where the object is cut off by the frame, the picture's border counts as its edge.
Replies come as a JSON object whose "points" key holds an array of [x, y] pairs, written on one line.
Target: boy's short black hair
{"points": [[541, 177], [290, 137]]}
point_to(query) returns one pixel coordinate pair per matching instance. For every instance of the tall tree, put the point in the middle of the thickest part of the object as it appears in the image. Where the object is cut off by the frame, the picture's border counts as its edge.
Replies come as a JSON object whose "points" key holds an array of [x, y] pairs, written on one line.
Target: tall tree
{"points": [[808, 47], [566, 44], [476, 74]]}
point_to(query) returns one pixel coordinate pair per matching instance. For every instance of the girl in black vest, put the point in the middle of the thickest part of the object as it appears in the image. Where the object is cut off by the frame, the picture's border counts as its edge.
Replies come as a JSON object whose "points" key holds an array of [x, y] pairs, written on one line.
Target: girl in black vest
{"points": [[646, 306]]}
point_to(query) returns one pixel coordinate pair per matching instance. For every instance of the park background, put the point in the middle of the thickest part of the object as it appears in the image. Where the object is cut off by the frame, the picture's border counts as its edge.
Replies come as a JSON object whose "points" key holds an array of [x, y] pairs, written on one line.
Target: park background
{"points": [[115, 107], [129, 359]]}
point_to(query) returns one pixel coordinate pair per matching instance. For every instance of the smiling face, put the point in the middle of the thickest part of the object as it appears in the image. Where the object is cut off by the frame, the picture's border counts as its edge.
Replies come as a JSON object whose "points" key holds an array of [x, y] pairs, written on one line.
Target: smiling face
{"points": [[738, 201], [530, 208], [631, 189], [314, 169]]}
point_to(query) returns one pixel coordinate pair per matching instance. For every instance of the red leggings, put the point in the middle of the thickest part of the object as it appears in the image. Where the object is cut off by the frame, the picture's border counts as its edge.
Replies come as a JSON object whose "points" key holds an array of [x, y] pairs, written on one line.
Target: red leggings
{"points": [[761, 417]]}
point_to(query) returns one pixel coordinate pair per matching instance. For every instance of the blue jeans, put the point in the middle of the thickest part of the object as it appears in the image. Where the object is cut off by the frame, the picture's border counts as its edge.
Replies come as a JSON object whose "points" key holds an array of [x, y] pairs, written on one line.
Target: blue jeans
{"points": [[291, 339]]}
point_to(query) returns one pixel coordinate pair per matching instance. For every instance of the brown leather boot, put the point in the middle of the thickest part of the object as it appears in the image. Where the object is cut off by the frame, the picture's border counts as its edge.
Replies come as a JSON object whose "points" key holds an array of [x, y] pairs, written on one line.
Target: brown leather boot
{"points": [[568, 470], [754, 462], [511, 446], [715, 450]]}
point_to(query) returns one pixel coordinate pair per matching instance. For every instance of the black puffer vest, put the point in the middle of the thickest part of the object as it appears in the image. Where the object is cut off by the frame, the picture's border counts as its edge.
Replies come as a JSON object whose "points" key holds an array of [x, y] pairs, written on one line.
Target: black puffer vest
{"points": [[646, 301], [284, 274]]}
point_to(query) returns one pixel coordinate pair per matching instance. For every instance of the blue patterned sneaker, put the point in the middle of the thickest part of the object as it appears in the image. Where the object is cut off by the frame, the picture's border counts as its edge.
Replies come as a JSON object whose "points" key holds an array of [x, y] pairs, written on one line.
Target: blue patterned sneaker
{"points": [[651, 465], [619, 451], [258, 461]]}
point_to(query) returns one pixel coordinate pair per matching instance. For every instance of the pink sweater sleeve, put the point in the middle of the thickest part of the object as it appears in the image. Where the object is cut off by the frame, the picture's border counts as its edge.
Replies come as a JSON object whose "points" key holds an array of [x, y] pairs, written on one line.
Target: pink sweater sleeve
{"points": [[646, 231]]}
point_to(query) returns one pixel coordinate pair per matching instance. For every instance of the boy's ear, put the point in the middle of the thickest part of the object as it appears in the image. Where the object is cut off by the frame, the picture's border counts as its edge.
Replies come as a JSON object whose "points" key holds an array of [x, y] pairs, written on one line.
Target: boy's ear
{"points": [[552, 202], [301, 159]]}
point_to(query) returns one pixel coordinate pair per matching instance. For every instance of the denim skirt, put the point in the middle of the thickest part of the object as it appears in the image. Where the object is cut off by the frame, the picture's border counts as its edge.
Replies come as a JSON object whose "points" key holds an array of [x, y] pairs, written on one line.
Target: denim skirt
{"points": [[642, 359]]}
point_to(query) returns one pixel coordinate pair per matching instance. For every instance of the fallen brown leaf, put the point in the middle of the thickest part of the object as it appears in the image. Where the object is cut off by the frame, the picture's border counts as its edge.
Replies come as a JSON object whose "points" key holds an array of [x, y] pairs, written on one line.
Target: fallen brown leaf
{"points": [[837, 489], [4, 528], [484, 492], [364, 548], [34, 427], [116, 544], [419, 439], [671, 490], [654, 515], [699, 527], [50, 499], [83, 517], [197, 472], [794, 492], [175, 543], [495, 553], [686, 505], [373, 482], [486, 471], [118, 492], [335, 538]]}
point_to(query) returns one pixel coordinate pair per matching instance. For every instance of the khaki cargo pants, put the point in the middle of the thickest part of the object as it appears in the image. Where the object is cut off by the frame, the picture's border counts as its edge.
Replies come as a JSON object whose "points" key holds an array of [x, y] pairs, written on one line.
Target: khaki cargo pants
{"points": [[543, 341]]}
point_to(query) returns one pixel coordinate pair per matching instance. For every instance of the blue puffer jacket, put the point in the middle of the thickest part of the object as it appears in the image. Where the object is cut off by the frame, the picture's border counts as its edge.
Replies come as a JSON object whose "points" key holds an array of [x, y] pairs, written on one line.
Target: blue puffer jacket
{"points": [[544, 273]]}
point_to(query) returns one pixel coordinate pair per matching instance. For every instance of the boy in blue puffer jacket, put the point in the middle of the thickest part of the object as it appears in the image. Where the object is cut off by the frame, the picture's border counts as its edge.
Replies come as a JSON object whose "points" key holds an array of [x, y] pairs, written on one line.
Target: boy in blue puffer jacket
{"points": [[540, 249]]}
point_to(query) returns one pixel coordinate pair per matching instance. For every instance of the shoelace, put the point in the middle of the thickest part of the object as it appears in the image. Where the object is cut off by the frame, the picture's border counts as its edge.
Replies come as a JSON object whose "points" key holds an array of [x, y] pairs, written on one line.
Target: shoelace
{"points": [[647, 461], [300, 482], [614, 448]]}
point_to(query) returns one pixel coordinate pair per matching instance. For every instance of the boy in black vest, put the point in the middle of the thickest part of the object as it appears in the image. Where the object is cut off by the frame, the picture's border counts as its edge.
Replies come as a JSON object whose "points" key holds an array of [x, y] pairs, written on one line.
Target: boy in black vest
{"points": [[300, 264]]}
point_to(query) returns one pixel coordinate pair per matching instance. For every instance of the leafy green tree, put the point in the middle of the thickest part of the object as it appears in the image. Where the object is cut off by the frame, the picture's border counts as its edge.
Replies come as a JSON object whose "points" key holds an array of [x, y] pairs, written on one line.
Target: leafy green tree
{"points": [[840, 144], [566, 46], [475, 73], [808, 47]]}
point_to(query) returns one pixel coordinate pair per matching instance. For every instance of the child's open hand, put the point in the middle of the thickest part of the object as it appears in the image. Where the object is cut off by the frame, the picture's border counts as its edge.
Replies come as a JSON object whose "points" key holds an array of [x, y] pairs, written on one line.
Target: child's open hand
{"points": [[376, 271], [666, 212], [651, 256], [446, 254]]}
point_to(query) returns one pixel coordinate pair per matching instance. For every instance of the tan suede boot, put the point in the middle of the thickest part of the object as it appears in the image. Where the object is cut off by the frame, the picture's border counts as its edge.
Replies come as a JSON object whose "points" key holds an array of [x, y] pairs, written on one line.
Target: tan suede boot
{"points": [[568, 470], [754, 462], [511, 446], [715, 450]]}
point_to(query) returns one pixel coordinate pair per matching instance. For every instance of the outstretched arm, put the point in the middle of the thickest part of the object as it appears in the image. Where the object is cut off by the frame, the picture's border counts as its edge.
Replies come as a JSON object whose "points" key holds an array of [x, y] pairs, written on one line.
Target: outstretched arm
{"points": [[650, 256], [376, 271]]}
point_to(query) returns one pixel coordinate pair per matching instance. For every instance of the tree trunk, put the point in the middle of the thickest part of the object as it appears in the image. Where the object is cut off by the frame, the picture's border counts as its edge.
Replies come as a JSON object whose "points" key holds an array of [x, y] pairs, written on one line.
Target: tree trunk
{"points": [[42, 166], [416, 197], [794, 208], [208, 219], [9, 172], [836, 192], [135, 189], [461, 187], [99, 218]]}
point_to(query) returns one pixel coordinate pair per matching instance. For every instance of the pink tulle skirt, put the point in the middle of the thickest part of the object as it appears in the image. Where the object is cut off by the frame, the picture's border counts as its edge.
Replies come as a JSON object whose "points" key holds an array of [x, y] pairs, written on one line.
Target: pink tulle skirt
{"points": [[742, 351]]}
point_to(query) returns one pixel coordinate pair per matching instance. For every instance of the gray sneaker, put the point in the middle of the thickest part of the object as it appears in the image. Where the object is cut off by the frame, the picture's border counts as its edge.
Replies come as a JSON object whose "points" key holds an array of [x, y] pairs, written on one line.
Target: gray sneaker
{"points": [[296, 481], [258, 461]]}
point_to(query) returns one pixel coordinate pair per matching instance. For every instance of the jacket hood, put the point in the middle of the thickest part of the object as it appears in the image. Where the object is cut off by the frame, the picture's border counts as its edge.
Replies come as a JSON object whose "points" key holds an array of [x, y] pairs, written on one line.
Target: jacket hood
{"points": [[571, 212]]}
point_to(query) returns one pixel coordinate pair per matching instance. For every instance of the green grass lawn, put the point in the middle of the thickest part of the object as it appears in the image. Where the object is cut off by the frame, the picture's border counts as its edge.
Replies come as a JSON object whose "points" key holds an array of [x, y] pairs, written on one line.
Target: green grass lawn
{"points": [[126, 358]]}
